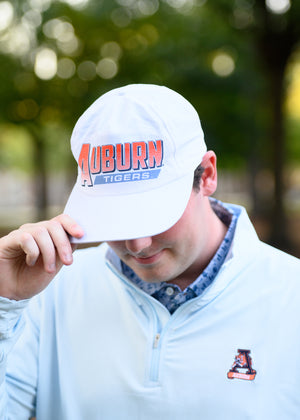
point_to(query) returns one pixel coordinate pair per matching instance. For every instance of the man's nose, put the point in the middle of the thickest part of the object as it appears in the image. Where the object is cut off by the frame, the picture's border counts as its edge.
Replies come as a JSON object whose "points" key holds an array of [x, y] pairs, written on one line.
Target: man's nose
{"points": [[137, 246]]}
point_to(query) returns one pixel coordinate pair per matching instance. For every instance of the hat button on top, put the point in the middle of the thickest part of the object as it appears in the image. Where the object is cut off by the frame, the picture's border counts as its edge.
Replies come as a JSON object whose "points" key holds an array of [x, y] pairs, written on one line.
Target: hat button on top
{"points": [[169, 291]]}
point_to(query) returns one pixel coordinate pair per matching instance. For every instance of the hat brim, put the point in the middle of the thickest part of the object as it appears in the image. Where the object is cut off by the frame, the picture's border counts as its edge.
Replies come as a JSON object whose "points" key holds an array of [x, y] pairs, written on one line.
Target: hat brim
{"points": [[122, 217]]}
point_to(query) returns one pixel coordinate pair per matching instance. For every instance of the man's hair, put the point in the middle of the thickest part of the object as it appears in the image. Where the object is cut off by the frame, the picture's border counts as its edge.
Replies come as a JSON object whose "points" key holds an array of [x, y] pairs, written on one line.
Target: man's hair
{"points": [[197, 177]]}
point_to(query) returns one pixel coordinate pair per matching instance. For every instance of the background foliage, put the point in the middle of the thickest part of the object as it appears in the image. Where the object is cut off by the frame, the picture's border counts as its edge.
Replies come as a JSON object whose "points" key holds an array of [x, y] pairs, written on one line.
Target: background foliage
{"points": [[235, 60]]}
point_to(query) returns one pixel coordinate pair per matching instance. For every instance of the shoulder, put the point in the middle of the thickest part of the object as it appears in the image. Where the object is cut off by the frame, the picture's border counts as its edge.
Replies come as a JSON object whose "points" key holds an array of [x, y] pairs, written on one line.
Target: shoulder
{"points": [[280, 276], [279, 261]]}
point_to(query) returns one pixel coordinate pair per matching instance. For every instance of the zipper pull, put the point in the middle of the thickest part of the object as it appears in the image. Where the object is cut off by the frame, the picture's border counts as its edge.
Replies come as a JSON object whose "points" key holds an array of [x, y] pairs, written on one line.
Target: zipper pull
{"points": [[156, 340]]}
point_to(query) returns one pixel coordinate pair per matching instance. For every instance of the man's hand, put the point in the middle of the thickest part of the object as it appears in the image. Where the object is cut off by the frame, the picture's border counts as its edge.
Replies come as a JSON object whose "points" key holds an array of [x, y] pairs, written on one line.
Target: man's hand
{"points": [[31, 256]]}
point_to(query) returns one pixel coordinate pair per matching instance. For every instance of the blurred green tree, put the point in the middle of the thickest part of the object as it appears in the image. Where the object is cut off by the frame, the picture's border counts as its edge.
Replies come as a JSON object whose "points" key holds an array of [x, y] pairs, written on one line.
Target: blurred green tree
{"points": [[227, 57], [272, 29]]}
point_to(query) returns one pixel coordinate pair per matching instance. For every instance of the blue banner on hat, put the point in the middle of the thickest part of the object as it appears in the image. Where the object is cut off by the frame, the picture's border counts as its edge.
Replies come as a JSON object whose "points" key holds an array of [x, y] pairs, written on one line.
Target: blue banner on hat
{"points": [[126, 176]]}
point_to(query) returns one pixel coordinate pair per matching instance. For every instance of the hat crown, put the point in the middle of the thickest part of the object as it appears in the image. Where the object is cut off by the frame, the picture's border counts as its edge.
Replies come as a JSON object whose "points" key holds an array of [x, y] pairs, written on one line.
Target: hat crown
{"points": [[136, 147], [131, 132]]}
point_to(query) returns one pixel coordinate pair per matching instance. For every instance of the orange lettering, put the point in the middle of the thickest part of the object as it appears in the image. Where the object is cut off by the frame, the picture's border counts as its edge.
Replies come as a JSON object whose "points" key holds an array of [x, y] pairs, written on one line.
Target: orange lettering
{"points": [[155, 152], [83, 163], [108, 162], [139, 155], [95, 160], [120, 158]]}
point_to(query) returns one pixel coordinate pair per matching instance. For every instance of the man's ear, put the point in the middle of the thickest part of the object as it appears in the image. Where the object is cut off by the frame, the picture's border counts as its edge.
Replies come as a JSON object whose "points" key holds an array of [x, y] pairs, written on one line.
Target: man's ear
{"points": [[208, 184]]}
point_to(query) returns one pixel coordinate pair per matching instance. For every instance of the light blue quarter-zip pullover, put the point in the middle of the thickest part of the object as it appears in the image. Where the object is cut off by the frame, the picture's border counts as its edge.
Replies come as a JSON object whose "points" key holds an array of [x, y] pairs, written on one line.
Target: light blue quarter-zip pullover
{"points": [[94, 346]]}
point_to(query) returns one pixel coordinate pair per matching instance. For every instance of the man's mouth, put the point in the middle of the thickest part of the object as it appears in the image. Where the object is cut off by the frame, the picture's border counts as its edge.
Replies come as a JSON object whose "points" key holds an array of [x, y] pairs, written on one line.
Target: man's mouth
{"points": [[148, 259]]}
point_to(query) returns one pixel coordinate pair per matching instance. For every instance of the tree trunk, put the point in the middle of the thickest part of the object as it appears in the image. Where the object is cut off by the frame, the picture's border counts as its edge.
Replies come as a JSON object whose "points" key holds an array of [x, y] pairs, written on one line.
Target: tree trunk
{"points": [[279, 235], [39, 174], [275, 40]]}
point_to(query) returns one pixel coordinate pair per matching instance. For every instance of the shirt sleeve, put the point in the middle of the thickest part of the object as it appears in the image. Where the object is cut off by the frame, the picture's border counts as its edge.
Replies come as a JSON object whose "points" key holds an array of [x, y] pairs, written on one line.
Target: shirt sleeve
{"points": [[18, 358]]}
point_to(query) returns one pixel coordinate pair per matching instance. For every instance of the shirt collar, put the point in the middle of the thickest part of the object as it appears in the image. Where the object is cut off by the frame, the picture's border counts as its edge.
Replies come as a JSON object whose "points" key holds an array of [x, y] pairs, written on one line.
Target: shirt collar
{"points": [[206, 277]]}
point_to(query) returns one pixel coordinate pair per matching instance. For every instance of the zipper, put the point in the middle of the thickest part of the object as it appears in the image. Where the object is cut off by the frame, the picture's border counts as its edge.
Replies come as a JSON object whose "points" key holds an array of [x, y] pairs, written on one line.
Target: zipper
{"points": [[156, 340], [155, 358], [152, 374], [158, 336], [155, 350]]}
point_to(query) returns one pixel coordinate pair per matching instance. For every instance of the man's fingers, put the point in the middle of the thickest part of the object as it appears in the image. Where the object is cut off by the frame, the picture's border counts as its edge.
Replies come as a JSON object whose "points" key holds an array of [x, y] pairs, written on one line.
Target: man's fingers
{"points": [[39, 243], [62, 242], [61, 236], [69, 225], [32, 255], [30, 248], [48, 240]]}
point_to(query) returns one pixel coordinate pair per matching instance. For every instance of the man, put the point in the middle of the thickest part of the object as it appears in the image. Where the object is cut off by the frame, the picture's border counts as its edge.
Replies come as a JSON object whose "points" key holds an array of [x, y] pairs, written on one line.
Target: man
{"points": [[181, 314]]}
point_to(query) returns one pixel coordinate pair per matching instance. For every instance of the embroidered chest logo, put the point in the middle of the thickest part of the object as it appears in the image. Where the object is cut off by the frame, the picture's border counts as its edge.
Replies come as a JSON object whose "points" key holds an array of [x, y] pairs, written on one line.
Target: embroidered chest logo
{"points": [[242, 366]]}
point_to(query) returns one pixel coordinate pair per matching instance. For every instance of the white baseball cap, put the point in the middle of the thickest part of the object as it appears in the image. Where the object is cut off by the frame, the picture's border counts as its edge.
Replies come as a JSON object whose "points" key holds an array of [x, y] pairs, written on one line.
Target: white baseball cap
{"points": [[137, 148]]}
